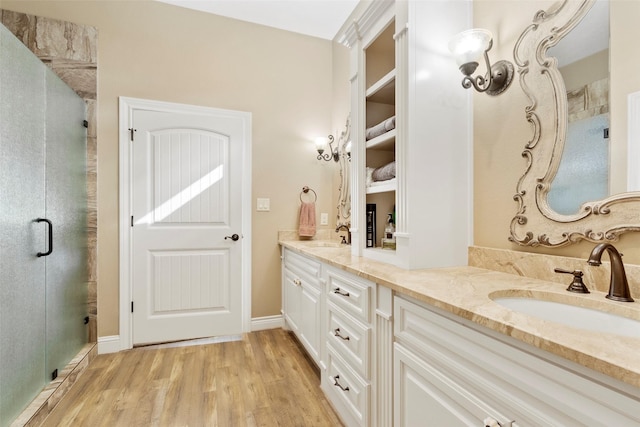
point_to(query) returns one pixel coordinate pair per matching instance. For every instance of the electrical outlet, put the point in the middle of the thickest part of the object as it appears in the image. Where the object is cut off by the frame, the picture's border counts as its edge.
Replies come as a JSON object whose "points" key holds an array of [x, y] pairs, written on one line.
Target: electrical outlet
{"points": [[263, 205], [324, 218]]}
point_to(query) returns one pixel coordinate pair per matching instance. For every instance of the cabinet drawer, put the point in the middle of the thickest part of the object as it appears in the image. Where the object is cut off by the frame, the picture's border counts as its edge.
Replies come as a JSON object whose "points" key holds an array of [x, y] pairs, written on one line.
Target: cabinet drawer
{"points": [[348, 392], [350, 293], [301, 264], [350, 339]]}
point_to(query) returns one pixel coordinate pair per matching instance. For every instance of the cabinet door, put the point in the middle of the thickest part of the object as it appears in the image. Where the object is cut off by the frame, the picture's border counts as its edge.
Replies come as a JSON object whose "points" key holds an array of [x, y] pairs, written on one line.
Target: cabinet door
{"points": [[291, 290], [310, 320], [423, 392]]}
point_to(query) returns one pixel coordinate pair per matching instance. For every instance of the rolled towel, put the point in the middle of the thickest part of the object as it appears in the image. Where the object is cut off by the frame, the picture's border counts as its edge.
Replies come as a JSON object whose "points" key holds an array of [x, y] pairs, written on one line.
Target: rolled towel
{"points": [[382, 127], [390, 123], [385, 172], [307, 225], [369, 179]]}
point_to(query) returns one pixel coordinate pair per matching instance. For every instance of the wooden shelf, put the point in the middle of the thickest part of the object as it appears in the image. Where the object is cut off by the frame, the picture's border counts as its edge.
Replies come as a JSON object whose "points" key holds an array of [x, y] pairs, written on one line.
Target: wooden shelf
{"points": [[379, 254], [383, 187], [384, 90], [386, 141]]}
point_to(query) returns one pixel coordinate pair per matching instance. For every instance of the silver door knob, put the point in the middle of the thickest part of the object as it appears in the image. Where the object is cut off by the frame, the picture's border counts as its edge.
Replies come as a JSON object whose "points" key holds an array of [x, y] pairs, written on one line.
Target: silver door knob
{"points": [[233, 237]]}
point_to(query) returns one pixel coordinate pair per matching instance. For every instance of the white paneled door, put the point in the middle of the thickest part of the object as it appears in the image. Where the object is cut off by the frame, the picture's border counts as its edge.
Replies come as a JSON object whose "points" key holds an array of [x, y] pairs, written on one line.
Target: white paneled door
{"points": [[186, 204]]}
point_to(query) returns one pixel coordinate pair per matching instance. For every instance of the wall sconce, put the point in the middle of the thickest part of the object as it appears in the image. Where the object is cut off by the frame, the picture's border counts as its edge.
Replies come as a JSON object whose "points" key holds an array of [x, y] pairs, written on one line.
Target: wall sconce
{"points": [[468, 47], [321, 144], [347, 149]]}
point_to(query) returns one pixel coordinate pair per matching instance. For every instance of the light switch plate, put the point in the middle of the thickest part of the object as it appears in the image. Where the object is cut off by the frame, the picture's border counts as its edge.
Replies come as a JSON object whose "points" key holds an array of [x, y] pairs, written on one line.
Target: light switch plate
{"points": [[324, 218], [263, 205]]}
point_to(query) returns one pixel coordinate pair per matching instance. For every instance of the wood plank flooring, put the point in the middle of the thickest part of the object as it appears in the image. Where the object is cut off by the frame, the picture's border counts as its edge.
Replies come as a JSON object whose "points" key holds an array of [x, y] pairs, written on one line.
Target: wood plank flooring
{"points": [[264, 379]]}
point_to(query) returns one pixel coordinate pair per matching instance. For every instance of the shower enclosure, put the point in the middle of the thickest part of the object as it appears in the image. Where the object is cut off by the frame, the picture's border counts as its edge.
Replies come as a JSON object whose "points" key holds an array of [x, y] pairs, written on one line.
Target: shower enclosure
{"points": [[43, 265]]}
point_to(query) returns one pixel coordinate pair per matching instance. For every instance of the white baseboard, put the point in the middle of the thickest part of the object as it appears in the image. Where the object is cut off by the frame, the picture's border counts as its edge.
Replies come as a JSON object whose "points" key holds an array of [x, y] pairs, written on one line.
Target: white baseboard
{"points": [[109, 344], [112, 344], [267, 322]]}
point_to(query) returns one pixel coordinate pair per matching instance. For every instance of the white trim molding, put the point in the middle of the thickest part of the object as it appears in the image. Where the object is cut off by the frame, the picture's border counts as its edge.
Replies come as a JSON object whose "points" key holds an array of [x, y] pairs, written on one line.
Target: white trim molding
{"points": [[267, 322], [113, 343], [109, 344], [126, 108], [633, 154]]}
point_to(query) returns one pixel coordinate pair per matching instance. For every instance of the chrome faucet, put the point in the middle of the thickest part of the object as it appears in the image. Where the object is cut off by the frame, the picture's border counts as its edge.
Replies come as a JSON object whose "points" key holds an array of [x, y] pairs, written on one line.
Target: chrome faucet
{"points": [[344, 227], [618, 287]]}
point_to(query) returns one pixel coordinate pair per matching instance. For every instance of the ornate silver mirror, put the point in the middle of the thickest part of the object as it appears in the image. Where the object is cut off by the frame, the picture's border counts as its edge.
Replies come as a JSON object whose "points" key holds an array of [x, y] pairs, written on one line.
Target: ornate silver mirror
{"points": [[344, 193], [555, 208]]}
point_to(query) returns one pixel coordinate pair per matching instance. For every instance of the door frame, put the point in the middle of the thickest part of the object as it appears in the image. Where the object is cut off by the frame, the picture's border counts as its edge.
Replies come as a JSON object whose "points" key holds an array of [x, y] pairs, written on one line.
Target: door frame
{"points": [[127, 106]]}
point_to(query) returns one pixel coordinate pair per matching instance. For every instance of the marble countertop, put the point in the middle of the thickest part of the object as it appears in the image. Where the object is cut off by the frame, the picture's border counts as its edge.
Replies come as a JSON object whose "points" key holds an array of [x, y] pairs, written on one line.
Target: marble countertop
{"points": [[465, 291]]}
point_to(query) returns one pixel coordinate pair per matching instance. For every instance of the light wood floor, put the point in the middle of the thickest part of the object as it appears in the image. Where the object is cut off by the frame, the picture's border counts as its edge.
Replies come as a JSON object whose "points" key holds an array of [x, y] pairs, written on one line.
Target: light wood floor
{"points": [[262, 380]]}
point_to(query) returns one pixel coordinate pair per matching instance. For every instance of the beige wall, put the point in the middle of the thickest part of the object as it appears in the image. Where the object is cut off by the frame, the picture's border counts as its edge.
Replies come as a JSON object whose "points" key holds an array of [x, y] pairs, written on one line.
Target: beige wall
{"points": [[585, 71], [297, 87], [156, 51], [501, 131]]}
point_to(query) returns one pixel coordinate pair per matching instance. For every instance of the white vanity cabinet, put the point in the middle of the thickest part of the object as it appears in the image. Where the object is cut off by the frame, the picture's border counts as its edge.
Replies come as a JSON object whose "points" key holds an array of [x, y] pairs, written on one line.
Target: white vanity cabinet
{"points": [[347, 380], [452, 372], [302, 305], [387, 359]]}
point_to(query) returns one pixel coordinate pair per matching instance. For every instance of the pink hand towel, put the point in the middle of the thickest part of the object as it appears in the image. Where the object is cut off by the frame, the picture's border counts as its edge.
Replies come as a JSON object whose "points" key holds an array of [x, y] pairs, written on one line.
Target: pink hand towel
{"points": [[307, 226]]}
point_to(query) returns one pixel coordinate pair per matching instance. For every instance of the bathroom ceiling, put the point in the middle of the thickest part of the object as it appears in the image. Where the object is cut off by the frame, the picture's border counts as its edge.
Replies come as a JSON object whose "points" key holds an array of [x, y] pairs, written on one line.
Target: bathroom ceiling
{"points": [[591, 35], [318, 18]]}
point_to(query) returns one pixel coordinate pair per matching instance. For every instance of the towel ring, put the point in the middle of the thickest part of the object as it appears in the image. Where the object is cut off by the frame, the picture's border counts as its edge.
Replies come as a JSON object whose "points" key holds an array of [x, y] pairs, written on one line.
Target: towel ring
{"points": [[306, 190]]}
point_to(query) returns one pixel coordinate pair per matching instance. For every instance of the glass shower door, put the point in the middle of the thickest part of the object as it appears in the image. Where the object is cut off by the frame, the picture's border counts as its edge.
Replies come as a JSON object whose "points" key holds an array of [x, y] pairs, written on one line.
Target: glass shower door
{"points": [[43, 299], [22, 200], [66, 208]]}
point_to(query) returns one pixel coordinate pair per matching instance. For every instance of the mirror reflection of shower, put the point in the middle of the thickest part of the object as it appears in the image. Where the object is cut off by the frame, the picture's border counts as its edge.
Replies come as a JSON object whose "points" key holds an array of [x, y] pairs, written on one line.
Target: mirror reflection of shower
{"points": [[344, 192], [583, 61]]}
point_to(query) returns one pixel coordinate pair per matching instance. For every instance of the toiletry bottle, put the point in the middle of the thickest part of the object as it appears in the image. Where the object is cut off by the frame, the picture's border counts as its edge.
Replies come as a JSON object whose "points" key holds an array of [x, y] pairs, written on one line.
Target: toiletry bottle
{"points": [[389, 229], [389, 240]]}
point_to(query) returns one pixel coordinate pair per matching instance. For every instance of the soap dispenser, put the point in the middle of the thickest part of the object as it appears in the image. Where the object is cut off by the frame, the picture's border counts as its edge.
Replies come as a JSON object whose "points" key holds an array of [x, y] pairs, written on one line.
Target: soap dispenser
{"points": [[389, 239]]}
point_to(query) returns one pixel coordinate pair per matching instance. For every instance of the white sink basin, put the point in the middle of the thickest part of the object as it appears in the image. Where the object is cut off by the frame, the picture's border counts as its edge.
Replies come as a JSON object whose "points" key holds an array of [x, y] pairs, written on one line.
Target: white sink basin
{"points": [[324, 244], [572, 315]]}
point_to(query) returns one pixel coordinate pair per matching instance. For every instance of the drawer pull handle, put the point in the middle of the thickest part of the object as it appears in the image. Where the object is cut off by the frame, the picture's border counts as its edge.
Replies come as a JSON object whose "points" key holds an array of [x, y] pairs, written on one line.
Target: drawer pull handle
{"points": [[491, 422], [337, 383], [339, 292], [336, 332], [297, 282]]}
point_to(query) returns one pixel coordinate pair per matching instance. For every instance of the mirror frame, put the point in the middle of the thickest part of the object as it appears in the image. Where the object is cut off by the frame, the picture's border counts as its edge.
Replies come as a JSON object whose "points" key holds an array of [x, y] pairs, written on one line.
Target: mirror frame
{"points": [[535, 223], [344, 194]]}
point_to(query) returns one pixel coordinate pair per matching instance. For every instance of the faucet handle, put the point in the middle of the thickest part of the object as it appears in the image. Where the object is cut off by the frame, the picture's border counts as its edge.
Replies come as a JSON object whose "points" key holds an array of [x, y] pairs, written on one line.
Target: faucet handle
{"points": [[577, 285]]}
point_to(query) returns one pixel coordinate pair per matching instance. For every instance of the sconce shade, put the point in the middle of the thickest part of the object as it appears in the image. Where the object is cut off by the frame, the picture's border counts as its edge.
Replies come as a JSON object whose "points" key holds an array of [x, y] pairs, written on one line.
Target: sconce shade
{"points": [[321, 143], [469, 46]]}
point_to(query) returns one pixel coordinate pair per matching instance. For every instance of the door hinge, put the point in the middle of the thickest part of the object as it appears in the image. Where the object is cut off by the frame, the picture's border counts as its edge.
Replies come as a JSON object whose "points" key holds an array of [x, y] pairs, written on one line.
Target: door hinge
{"points": [[131, 131], [132, 306], [132, 220]]}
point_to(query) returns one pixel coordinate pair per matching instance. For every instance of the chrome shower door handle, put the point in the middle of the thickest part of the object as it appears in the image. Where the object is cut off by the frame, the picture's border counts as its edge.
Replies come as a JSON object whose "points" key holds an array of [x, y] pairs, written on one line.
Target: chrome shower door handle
{"points": [[50, 228]]}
